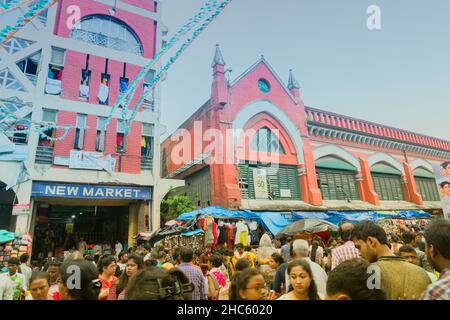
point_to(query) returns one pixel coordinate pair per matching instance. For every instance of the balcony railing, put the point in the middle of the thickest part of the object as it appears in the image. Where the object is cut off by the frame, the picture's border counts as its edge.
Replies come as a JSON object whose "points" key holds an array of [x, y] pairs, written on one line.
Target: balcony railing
{"points": [[105, 41], [146, 163], [44, 155]]}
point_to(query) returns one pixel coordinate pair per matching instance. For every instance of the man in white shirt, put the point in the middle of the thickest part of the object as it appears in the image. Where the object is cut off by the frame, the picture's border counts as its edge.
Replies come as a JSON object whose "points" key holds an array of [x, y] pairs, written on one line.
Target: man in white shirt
{"points": [[17, 279], [24, 269], [118, 248], [6, 287], [300, 250]]}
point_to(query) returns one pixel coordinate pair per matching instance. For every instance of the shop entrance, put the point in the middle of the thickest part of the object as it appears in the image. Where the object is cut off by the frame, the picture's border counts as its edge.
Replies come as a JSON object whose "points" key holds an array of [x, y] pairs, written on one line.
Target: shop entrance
{"points": [[7, 199], [59, 228]]}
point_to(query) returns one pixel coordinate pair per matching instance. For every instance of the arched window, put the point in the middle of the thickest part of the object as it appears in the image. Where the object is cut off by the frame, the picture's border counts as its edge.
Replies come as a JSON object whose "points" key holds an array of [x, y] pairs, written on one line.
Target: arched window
{"points": [[107, 32], [266, 141]]}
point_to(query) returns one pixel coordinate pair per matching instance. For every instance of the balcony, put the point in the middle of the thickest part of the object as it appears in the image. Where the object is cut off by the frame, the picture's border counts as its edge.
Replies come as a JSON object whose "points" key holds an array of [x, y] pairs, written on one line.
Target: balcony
{"points": [[44, 155], [105, 41], [146, 163]]}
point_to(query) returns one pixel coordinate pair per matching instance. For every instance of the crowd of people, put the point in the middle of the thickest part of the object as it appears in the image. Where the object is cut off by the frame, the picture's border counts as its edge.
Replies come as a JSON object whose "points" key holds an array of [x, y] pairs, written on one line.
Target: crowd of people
{"points": [[362, 263]]}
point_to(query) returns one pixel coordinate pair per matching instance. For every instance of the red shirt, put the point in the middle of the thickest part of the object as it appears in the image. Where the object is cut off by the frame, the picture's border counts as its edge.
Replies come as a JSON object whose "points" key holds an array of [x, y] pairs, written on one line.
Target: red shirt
{"points": [[107, 284]]}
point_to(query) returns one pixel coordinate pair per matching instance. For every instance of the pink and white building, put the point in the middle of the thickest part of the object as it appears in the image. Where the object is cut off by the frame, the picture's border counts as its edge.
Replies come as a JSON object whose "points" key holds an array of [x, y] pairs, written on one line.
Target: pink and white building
{"points": [[68, 70]]}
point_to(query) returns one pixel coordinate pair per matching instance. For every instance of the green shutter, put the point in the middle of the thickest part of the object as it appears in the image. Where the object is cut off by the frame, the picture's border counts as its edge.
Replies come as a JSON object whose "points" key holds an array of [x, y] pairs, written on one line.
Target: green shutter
{"points": [[330, 179], [388, 186], [427, 188]]}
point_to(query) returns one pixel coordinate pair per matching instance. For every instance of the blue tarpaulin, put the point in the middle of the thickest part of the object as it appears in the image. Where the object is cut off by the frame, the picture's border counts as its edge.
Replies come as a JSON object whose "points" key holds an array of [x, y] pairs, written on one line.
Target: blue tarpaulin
{"points": [[276, 221]]}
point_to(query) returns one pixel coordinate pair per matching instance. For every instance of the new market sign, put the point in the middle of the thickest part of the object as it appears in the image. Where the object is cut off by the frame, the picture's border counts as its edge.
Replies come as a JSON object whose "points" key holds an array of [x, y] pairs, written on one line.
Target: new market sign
{"points": [[61, 190]]}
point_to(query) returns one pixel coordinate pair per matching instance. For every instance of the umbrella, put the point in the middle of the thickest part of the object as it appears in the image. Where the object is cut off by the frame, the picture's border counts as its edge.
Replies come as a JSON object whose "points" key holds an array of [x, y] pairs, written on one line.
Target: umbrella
{"points": [[307, 225]]}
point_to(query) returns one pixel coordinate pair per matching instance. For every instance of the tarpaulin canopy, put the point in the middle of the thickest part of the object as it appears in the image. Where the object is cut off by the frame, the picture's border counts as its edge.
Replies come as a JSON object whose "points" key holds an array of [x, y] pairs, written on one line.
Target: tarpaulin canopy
{"points": [[274, 222]]}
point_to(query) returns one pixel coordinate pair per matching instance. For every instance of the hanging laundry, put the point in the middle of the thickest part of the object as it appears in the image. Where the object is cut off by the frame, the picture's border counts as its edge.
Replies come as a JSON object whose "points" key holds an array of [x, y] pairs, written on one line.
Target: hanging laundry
{"points": [[123, 85], [119, 140], [143, 142], [84, 91], [103, 92]]}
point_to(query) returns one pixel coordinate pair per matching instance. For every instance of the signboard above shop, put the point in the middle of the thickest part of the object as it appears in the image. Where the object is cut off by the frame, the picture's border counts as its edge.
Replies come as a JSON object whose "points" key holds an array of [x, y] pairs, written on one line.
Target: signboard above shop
{"points": [[83, 191], [21, 209]]}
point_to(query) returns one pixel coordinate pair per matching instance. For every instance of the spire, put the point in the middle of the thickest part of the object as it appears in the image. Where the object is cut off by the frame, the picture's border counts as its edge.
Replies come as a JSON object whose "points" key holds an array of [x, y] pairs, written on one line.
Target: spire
{"points": [[292, 83], [218, 58]]}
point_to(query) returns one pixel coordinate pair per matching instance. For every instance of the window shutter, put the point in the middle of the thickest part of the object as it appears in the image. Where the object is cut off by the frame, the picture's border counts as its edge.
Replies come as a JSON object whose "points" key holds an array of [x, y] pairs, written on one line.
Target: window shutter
{"points": [[388, 187]]}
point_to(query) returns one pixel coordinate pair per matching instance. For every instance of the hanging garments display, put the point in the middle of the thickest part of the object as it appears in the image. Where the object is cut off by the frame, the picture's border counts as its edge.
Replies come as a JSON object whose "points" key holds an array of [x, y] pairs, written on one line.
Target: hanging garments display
{"points": [[123, 85], [230, 236], [143, 142], [241, 233], [84, 91], [208, 228], [223, 234]]}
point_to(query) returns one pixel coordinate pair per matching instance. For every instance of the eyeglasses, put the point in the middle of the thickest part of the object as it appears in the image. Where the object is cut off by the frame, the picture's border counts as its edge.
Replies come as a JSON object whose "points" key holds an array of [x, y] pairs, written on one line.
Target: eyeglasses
{"points": [[259, 287]]}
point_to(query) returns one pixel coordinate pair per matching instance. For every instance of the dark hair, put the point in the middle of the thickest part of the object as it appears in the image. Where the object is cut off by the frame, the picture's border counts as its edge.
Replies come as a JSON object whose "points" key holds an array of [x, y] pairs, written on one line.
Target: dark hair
{"points": [[420, 245], [159, 284], [395, 238], [239, 246], [242, 264], [215, 260], [248, 248], [186, 254], [105, 262], [312, 290], [123, 279], [445, 164], [24, 258], [408, 237], [407, 249], [315, 245], [90, 285], [88, 257], [147, 247], [39, 275], [365, 229], [350, 277], [240, 282], [437, 234], [13, 260], [121, 254], [443, 184], [345, 234], [152, 262], [278, 258]]}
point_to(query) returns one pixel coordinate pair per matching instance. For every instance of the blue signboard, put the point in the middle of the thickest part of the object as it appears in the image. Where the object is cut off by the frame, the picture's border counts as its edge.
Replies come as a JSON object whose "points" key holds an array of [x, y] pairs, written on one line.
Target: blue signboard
{"points": [[62, 190]]}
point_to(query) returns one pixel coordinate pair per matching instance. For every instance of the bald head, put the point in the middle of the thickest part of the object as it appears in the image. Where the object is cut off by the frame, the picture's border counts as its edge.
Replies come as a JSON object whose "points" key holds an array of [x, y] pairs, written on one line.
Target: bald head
{"points": [[345, 231]]}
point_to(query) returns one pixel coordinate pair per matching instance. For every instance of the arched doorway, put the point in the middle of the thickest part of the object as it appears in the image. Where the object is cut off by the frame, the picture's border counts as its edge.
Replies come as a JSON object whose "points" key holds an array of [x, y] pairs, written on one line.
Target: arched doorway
{"points": [[7, 200]]}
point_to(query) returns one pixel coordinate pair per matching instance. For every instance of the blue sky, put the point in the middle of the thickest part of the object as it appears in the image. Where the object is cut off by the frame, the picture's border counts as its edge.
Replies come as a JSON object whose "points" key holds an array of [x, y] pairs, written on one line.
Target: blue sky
{"points": [[398, 76]]}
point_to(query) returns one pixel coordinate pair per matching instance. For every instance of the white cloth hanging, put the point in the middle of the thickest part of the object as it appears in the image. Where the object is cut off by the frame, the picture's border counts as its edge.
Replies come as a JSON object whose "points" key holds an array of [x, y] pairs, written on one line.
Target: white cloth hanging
{"points": [[240, 227], [101, 143], [103, 93], [53, 86], [84, 91]]}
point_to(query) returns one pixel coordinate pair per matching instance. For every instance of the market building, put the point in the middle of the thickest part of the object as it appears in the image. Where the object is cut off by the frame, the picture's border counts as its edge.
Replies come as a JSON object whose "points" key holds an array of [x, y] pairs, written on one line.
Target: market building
{"points": [[91, 180], [288, 156]]}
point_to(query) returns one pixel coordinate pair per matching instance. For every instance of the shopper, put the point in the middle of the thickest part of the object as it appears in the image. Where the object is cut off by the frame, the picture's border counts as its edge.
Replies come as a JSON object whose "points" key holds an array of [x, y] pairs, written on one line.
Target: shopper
{"points": [[408, 253], [302, 285], [17, 279], [25, 269], [193, 273], [346, 251], [399, 279], [248, 284], [39, 286], [118, 289], [106, 269], [89, 284]]}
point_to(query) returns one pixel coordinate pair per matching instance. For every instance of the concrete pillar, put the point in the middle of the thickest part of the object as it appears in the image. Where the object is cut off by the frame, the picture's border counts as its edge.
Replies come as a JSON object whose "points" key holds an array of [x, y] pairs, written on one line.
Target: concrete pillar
{"points": [[132, 223], [23, 193], [308, 181], [359, 182], [410, 185], [367, 183]]}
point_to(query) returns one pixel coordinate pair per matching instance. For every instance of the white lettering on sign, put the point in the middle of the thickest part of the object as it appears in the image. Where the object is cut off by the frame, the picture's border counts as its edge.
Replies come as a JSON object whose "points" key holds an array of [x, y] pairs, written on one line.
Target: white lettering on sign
{"points": [[50, 189], [88, 192], [136, 193], [60, 190], [99, 193], [110, 192], [119, 193], [127, 193], [72, 191]]}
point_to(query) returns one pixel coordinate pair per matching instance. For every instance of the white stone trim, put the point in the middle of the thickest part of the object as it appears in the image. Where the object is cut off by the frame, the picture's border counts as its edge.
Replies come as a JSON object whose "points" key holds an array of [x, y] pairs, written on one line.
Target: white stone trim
{"points": [[421, 163], [384, 157], [264, 106], [334, 150]]}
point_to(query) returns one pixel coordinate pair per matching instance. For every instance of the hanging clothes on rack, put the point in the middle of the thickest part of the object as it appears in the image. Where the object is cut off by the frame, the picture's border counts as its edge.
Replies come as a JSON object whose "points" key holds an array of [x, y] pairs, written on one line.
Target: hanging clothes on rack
{"points": [[230, 236], [215, 234], [223, 234], [241, 233]]}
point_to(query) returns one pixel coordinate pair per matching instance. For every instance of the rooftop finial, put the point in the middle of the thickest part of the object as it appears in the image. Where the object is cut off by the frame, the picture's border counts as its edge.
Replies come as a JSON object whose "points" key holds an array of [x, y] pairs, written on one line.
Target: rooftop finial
{"points": [[292, 83], [218, 58]]}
